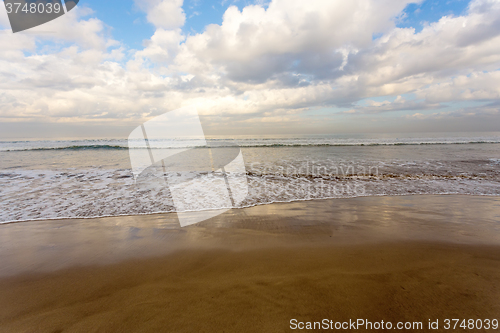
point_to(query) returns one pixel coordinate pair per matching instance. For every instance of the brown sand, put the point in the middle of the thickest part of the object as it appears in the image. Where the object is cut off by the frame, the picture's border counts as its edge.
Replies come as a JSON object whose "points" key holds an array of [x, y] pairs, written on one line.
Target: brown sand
{"points": [[256, 279]]}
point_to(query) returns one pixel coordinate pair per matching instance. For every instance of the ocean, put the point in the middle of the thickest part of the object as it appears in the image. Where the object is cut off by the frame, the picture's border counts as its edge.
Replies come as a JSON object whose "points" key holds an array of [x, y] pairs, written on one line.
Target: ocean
{"points": [[53, 179]]}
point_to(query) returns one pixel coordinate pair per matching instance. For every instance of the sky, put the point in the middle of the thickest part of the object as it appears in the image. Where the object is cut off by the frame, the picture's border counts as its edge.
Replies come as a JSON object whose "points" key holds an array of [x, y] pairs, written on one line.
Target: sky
{"points": [[254, 67]]}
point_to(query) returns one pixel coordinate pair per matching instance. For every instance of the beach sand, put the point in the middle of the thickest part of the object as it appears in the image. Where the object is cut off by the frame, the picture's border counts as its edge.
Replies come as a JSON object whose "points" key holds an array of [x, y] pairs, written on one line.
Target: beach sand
{"points": [[395, 259]]}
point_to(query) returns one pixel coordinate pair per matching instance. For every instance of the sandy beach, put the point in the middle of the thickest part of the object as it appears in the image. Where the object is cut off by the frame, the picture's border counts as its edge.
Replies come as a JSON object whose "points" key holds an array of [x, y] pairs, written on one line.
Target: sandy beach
{"points": [[235, 166], [396, 259]]}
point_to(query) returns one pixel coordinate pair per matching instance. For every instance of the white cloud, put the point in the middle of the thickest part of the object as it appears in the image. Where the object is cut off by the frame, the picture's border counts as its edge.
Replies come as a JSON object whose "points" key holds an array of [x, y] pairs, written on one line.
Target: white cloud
{"points": [[165, 14], [260, 65], [474, 86], [309, 37]]}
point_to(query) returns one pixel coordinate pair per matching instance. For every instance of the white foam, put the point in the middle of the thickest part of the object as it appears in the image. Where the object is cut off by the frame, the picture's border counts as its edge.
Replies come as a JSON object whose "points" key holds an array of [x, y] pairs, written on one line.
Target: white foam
{"points": [[42, 194], [186, 142]]}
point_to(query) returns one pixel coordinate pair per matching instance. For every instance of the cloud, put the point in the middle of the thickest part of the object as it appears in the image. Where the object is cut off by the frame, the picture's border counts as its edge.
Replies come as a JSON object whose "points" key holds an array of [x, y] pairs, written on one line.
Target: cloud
{"points": [[474, 86], [469, 113], [307, 37], [261, 65], [399, 104], [164, 14]]}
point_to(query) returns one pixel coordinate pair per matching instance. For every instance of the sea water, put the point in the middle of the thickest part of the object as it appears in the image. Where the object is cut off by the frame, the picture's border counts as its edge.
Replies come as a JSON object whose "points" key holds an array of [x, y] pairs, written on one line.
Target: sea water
{"points": [[47, 179]]}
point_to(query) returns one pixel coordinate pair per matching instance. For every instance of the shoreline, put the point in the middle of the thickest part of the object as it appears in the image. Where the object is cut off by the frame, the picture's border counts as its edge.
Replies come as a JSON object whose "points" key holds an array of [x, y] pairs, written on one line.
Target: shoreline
{"points": [[53, 244], [255, 205]]}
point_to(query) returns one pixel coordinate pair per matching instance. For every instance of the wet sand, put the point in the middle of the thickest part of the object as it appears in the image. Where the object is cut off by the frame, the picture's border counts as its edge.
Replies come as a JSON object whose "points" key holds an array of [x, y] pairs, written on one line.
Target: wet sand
{"points": [[253, 270]]}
